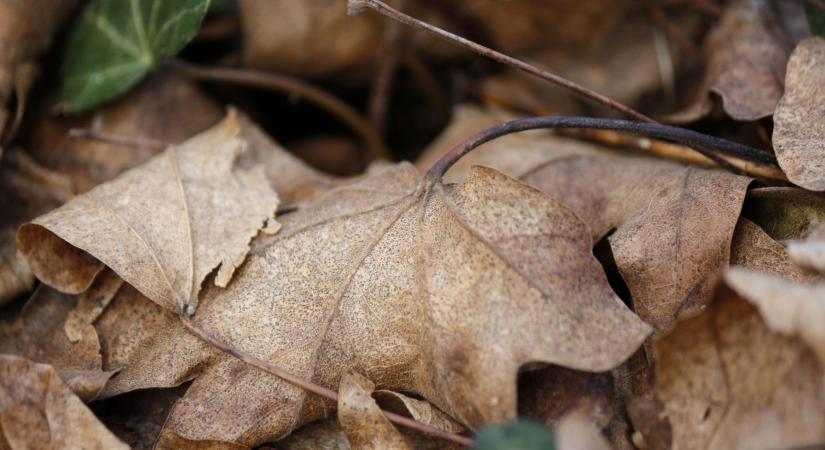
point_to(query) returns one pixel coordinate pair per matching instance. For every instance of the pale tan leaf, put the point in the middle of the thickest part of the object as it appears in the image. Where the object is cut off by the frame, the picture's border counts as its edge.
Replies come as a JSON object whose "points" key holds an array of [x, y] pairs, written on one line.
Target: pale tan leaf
{"points": [[810, 252], [37, 410], [361, 419], [163, 226], [799, 120], [575, 431]]}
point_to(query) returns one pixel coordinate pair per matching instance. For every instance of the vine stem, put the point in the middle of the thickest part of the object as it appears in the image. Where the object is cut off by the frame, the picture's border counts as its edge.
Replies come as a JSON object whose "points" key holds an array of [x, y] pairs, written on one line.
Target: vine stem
{"points": [[356, 6], [312, 387], [290, 86], [702, 143]]}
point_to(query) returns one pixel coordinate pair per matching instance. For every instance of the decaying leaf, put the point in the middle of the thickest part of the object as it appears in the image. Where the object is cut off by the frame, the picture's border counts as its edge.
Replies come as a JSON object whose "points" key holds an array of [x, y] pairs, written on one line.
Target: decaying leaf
{"points": [[37, 410], [729, 380], [115, 43], [746, 55], [411, 284], [26, 30], [799, 120], [669, 226], [164, 108], [163, 226], [26, 190], [361, 419]]}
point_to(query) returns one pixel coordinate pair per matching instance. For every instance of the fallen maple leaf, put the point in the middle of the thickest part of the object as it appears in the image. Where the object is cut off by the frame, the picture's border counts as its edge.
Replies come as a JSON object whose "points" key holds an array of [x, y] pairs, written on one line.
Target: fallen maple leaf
{"points": [[37, 410], [163, 226], [414, 284], [800, 117]]}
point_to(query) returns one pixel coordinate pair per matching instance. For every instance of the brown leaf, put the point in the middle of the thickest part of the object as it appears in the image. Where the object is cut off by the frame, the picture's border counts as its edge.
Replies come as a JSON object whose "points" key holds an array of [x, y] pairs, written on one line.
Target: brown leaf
{"points": [[728, 380], [756, 250], [38, 334], [165, 108], [412, 286], [37, 410], [26, 30], [292, 45], [799, 120], [361, 419], [163, 226], [26, 190], [746, 54]]}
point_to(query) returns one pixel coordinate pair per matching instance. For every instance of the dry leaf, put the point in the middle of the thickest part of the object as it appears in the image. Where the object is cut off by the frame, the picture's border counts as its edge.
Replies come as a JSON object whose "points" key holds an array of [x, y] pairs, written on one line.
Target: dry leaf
{"points": [[746, 55], [283, 36], [799, 120], [37, 410], [26, 190], [26, 30], [753, 248], [669, 226], [398, 282], [727, 380], [361, 418], [163, 226], [38, 334], [164, 108]]}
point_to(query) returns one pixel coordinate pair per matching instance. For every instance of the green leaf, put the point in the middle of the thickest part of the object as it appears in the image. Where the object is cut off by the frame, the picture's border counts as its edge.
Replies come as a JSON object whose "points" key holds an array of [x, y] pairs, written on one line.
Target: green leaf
{"points": [[816, 18], [115, 43], [521, 435]]}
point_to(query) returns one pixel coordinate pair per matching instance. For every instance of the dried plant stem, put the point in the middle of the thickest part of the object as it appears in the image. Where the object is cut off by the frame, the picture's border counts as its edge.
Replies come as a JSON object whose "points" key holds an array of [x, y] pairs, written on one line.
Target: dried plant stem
{"points": [[676, 152], [291, 86], [356, 6], [117, 139], [312, 387], [701, 142]]}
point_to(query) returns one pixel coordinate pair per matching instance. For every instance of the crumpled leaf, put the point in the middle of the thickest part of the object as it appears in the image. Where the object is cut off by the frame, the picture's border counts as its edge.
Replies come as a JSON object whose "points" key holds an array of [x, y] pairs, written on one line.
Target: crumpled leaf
{"points": [[728, 379], [669, 226], [799, 120], [164, 108], [397, 282], [45, 332], [361, 418], [26, 30], [26, 190], [37, 410], [115, 43], [746, 55], [163, 226]]}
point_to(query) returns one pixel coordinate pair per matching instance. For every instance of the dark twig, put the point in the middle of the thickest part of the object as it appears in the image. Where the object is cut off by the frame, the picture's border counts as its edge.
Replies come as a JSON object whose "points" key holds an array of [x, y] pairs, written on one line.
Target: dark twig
{"points": [[117, 139], [291, 86], [312, 387], [683, 136], [356, 6]]}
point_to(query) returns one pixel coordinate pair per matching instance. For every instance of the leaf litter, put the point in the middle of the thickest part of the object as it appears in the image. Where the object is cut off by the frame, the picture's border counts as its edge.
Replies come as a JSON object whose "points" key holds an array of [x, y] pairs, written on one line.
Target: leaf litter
{"points": [[204, 288]]}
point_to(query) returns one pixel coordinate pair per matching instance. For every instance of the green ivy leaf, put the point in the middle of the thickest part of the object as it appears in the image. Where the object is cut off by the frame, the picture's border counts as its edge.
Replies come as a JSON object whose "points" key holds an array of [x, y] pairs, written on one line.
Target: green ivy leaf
{"points": [[816, 18], [115, 43], [521, 435]]}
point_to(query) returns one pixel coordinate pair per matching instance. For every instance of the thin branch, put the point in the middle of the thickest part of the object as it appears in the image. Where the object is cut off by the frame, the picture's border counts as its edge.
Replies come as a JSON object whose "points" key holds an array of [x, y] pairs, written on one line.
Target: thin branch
{"points": [[291, 86], [356, 6], [117, 139], [693, 139], [312, 387]]}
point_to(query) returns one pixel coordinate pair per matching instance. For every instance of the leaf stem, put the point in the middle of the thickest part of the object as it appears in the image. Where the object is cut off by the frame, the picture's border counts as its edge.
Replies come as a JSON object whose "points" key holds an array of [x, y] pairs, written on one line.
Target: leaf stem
{"points": [[703, 142], [310, 386], [356, 6], [292, 86]]}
